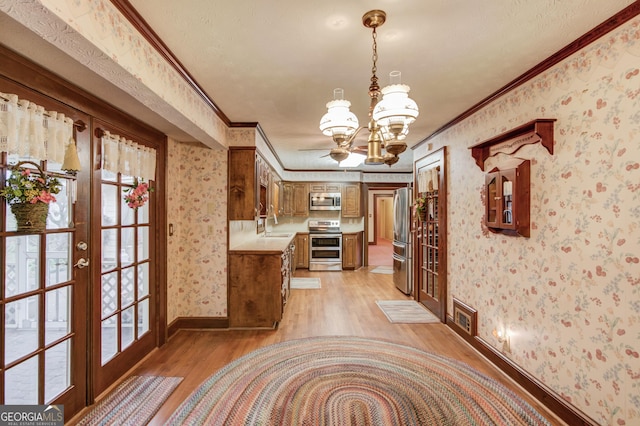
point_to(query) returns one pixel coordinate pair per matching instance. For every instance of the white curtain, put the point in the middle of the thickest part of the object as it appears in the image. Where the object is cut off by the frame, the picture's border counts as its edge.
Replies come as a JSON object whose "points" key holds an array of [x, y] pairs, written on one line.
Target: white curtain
{"points": [[428, 180], [127, 157], [27, 130]]}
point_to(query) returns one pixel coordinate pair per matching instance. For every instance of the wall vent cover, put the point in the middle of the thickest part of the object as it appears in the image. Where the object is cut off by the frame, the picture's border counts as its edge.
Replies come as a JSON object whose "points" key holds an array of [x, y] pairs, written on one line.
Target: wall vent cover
{"points": [[465, 317]]}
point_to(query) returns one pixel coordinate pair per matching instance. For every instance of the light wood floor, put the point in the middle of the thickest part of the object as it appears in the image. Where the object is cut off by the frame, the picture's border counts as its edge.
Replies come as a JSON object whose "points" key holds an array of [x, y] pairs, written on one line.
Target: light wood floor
{"points": [[345, 305]]}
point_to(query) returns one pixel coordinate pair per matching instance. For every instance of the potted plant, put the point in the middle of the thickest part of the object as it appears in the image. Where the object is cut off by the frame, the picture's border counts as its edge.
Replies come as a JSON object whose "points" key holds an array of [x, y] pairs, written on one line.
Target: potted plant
{"points": [[29, 193], [420, 208]]}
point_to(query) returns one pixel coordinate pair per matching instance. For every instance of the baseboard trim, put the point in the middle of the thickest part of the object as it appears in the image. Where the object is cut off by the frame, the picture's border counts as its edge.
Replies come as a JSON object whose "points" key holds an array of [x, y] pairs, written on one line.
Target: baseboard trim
{"points": [[546, 396], [197, 323]]}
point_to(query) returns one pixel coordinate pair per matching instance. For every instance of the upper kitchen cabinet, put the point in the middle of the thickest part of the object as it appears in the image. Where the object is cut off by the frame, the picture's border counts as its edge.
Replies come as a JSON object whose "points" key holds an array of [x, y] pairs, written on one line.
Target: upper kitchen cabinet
{"points": [[351, 202], [250, 185], [324, 187], [244, 193], [295, 199]]}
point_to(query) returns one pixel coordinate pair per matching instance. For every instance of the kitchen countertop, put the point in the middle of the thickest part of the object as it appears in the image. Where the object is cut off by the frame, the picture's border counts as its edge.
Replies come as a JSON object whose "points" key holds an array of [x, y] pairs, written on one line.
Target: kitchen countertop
{"points": [[264, 245]]}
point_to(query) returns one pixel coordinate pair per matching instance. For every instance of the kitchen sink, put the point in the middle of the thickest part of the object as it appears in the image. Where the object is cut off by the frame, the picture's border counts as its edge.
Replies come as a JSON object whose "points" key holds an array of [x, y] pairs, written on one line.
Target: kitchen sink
{"points": [[278, 235]]}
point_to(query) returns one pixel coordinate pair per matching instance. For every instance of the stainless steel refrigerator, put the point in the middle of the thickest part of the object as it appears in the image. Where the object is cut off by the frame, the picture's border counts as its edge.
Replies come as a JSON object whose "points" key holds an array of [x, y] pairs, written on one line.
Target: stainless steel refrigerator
{"points": [[402, 246]]}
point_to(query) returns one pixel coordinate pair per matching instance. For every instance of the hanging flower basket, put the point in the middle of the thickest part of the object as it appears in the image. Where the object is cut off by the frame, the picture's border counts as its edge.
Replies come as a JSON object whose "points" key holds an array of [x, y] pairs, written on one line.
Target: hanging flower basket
{"points": [[420, 208], [29, 193], [31, 218]]}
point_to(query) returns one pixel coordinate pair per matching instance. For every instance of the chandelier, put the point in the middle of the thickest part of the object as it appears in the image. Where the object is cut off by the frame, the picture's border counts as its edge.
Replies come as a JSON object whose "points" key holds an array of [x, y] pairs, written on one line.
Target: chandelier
{"points": [[389, 117]]}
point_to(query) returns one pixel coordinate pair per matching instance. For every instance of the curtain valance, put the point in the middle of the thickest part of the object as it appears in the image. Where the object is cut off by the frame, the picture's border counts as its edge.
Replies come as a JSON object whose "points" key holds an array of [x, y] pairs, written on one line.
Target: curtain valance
{"points": [[122, 155], [27, 130], [428, 180]]}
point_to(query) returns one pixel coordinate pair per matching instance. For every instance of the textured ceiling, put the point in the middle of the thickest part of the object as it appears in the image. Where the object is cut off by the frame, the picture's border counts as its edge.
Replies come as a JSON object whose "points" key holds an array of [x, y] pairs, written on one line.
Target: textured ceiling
{"points": [[277, 63]]}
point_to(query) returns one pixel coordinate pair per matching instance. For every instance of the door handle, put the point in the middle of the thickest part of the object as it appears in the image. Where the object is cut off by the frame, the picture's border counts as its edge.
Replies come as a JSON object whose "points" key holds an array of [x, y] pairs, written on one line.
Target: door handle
{"points": [[82, 263]]}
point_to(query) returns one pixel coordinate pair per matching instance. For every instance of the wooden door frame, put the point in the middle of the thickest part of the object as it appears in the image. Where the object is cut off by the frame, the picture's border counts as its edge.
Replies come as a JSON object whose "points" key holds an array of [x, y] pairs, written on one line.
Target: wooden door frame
{"points": [[366, 187]]}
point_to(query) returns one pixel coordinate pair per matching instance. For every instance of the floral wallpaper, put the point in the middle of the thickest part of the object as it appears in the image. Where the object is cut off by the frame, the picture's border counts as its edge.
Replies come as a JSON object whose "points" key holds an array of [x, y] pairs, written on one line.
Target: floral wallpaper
{"points": [[568, 297], [197, 250]]}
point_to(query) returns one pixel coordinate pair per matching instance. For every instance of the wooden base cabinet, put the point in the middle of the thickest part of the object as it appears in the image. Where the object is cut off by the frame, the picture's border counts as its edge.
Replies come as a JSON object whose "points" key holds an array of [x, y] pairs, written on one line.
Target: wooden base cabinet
{"points": [[302, 251], [352, 250], [258, 289]]}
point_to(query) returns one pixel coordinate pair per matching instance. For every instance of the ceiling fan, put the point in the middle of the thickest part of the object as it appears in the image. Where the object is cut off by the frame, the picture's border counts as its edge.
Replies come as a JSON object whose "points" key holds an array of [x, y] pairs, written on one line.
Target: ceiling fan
{"points": [[339, 151]]}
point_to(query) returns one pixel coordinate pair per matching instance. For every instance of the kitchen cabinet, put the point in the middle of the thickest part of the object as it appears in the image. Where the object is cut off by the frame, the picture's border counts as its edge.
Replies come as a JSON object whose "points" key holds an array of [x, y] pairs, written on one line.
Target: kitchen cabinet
{"points": [[302, 251], [259, 287], [300, 199], [249, 177], [244, 195], [325, 187], [295, 199], [508, 200], [351, 202], [275, 195], [352, 250]]}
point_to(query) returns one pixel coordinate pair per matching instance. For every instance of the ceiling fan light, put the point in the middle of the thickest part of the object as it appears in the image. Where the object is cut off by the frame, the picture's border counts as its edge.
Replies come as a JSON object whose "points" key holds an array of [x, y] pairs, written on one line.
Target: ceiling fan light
{"points": [[354, 160]]}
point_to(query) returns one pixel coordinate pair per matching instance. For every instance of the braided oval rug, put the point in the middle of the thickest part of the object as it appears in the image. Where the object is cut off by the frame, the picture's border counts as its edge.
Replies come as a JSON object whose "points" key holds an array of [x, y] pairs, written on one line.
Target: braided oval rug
{"points": [[351, 381]]}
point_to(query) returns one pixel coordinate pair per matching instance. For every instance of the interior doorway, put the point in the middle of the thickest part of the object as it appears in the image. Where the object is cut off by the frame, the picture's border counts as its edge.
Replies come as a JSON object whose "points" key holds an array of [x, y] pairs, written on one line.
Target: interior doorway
{"points": [[381, 249]]}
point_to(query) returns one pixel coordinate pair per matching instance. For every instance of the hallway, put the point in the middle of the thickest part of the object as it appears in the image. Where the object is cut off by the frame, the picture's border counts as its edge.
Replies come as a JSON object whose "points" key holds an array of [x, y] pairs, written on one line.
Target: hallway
{"points": [[381, 254]]}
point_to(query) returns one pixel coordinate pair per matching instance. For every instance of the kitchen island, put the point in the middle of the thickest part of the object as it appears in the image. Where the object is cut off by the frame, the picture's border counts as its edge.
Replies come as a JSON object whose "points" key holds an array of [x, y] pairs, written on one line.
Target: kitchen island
{"points": [[259, 281]]}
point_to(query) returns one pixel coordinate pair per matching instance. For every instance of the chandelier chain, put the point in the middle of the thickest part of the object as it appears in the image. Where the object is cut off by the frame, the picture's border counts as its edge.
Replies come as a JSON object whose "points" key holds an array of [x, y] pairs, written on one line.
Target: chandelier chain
{"points": [[374, 88], [374, 57]]}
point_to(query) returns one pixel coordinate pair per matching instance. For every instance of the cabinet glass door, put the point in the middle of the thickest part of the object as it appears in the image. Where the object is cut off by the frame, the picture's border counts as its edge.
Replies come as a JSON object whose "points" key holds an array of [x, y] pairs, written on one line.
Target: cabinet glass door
{"points": [[493, 198]]}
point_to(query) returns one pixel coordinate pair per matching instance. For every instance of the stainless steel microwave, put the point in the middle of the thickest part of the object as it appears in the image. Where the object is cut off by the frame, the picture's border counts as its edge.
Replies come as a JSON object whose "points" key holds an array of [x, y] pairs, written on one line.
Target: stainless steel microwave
{"points": [[324, 201]]}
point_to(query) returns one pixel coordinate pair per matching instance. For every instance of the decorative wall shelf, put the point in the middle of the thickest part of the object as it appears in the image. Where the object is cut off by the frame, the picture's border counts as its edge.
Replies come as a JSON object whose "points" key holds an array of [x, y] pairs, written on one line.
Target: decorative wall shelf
{"points": [[540, 130]]}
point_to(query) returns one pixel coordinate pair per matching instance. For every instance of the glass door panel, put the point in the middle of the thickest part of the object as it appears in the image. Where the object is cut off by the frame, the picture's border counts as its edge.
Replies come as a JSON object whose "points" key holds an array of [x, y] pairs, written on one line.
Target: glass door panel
{"points": [[125, 277], [36, 304]]}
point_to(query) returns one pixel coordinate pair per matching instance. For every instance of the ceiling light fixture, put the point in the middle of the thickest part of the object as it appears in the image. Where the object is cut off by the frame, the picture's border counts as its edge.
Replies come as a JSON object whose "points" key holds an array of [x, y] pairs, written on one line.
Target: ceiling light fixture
{"points": [[389, 117]]}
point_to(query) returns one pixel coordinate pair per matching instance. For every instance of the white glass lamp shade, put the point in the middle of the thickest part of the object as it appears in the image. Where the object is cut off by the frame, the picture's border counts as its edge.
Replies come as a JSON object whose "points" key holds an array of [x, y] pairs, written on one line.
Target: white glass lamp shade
{"points": [[396, 109], [339, 120]]}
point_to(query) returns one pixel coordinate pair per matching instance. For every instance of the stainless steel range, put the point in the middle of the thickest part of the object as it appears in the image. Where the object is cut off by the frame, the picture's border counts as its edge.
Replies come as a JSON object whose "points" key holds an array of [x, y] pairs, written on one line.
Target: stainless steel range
{"points": [[325, 245]]}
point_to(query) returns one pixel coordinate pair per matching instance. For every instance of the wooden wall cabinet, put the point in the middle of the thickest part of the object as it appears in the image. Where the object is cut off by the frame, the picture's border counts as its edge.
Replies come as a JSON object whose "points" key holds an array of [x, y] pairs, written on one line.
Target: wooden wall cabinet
{"points": [[352, 250], [300, 199], [351, 202], [324, 187], [508, 200], [243, 195], [250, 185], [295, 199], [302, 251]]}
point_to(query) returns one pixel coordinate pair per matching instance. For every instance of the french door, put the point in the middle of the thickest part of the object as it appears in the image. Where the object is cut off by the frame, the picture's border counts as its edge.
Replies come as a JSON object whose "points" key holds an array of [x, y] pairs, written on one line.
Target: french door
{"points": [[43, 287], [80, 303], [124, 325], [431, 235]]}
